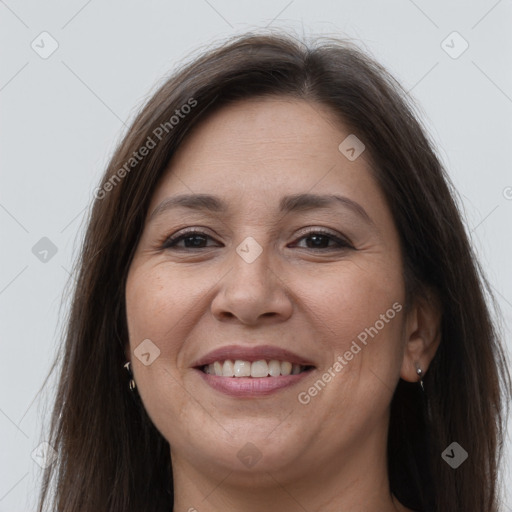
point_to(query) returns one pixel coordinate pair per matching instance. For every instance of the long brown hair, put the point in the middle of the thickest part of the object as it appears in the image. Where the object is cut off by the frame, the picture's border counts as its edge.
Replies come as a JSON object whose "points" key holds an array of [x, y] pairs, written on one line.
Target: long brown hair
{"points": [[110, 455]]}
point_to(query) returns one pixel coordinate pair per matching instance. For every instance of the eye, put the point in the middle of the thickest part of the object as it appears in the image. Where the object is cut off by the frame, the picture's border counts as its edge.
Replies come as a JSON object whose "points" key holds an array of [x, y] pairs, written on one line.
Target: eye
{"points": [[195, 239], [319, 239]]}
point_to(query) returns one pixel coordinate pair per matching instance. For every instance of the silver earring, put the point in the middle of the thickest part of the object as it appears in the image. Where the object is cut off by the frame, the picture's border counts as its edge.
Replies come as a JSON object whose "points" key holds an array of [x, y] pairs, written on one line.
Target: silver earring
{"points": [[419, 371], [132, 382]]}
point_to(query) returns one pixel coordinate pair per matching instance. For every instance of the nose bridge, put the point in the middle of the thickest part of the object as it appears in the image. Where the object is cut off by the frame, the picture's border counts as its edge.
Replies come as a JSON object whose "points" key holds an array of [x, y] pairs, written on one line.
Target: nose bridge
{"points": [[251, 260], [253, 257], [250, 250], [251, 288]]}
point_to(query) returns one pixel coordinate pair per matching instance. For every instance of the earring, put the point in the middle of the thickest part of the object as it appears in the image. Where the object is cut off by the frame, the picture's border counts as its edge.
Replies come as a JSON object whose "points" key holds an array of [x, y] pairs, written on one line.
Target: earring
{"points": [[419, 371], [132, 382]]}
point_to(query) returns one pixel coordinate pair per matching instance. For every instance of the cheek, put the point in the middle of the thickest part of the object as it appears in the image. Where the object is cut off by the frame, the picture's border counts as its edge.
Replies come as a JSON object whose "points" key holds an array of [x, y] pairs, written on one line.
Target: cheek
{"points": [[154, 312], [360, 317], [153, 309], [359, 312], [347, 301]]}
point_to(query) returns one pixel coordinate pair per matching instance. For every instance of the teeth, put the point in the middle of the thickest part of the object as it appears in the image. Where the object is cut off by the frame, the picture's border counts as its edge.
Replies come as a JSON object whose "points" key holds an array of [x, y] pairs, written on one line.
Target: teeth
{"points": [[257, 369], [228, 370], [242, 368], [274, 368], [286, 368], [295, 369]]}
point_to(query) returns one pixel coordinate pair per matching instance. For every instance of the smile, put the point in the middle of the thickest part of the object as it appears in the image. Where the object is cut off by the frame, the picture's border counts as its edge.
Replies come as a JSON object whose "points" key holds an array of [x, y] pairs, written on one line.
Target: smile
{"points": [[243, 371], [256, 369]]}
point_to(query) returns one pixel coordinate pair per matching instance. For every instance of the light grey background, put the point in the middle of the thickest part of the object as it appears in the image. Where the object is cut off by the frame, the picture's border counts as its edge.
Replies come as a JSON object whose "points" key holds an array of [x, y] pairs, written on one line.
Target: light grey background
{"points": [[62, 116]]}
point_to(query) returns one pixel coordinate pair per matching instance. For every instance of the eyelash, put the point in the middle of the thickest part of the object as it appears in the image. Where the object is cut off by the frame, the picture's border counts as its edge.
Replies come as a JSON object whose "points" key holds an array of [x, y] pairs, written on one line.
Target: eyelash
{"points": [[170, 242]]}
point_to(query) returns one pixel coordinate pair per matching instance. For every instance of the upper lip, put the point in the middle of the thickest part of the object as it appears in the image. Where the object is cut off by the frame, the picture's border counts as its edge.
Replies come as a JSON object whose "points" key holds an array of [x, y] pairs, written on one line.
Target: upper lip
{"points": [[257, 353]]}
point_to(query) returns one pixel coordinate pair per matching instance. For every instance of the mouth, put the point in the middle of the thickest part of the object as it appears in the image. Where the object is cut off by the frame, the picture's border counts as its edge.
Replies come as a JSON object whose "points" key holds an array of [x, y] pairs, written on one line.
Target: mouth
{"points": [[260, 369], [241, 371]]}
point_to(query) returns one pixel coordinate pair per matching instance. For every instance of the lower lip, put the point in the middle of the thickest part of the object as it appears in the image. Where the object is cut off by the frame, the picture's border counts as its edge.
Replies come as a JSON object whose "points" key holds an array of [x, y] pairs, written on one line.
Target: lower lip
{"points": [[242, 387]]}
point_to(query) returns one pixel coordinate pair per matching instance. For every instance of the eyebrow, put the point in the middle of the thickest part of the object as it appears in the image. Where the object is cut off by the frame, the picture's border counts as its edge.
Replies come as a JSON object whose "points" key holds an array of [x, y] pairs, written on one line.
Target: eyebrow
{"points": [[290, 203]]}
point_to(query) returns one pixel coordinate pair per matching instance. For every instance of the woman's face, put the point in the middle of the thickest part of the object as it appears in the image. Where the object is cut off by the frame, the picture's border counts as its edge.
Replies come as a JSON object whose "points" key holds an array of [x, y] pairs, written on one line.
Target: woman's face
{"points": [[316, 282]]}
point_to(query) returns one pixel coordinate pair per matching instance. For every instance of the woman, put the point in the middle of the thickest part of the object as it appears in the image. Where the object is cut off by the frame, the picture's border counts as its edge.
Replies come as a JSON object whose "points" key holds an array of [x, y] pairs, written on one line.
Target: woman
{"points": [[277, 305]]}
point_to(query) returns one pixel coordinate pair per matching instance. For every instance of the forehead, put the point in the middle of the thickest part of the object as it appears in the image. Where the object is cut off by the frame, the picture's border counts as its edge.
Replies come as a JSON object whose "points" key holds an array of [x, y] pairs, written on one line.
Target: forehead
{"points": [[253, 152], [264, 129]]}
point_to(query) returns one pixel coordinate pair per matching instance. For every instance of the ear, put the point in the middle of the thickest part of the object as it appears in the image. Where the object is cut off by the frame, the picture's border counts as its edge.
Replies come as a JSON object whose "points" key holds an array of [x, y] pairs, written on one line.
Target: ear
{"points": [[422, 335]]}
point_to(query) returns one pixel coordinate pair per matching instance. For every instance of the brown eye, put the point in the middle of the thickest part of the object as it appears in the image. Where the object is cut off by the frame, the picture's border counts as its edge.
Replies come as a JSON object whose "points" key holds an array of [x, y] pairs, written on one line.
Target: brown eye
{"points": [[192, 240], [320, 241]]}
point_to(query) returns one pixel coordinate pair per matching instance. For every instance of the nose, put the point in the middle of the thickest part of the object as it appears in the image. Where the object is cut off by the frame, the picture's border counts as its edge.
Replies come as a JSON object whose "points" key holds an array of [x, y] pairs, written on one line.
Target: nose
{"points": [[252, 292]]}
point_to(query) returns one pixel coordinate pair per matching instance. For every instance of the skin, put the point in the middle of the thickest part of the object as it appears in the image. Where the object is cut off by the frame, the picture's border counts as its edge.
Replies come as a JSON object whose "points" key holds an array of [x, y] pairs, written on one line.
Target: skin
{"points": [[328, 455]]}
